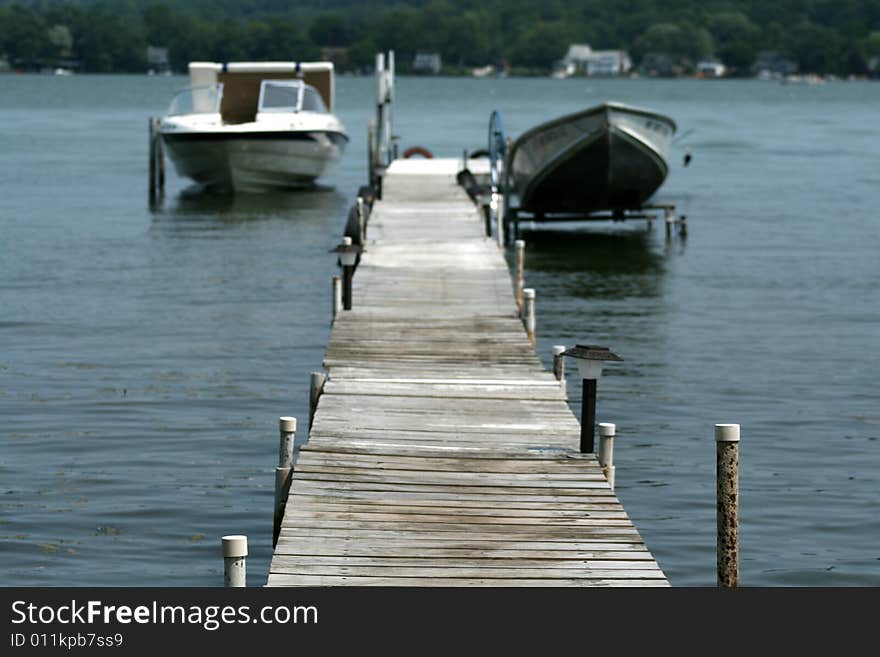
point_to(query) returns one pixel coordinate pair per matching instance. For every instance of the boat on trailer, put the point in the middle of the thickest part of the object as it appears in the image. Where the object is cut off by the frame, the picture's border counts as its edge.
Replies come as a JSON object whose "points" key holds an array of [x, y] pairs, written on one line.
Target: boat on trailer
{"points": [[255, 126], [609, 159]]}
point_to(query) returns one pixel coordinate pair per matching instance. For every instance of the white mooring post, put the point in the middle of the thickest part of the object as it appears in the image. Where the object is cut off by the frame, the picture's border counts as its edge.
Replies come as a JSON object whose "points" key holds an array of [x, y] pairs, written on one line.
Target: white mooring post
{"points": [[362, 221], [529, 312], [283, 472], [337, 296], [727, 475], [235, 552], [606, 450], [669, 218], [520, 272], [495, 212], [559, 366]]}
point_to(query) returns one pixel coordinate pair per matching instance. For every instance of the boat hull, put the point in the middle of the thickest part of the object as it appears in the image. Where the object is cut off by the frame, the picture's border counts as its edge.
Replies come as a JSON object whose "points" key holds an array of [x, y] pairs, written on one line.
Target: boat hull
{"points": [[608, 158], [254, 162]]}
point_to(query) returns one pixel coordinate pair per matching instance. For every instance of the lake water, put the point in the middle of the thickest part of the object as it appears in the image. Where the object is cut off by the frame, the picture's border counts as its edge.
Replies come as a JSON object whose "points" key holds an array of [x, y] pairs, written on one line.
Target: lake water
{"points": [[145, 357]]}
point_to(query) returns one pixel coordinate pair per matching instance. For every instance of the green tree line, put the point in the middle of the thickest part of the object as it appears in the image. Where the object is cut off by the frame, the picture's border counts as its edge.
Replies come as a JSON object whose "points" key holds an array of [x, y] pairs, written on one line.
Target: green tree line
{"points": [[823, 36]]}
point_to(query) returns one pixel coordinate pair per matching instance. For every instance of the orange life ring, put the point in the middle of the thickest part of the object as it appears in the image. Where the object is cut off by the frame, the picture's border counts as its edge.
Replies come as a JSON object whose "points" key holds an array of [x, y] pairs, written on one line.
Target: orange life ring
{"points": [[417, 150]]}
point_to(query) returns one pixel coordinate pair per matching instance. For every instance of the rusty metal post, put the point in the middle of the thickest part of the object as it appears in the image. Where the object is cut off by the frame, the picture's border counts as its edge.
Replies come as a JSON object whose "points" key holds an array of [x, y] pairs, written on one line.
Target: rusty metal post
{"points": [[520, 272], [727, 475], [283, 472], [234, 560], [606, 450], [529, 311]]}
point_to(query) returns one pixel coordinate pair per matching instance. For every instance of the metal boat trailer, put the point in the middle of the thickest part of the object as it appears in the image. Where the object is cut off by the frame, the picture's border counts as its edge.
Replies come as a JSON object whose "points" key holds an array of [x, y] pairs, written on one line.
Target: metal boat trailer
{"points": [[493, 194]]}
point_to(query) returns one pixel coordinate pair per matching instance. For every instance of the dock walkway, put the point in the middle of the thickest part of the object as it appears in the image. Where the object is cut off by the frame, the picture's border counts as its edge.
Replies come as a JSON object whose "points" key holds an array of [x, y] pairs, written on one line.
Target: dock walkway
{"points": [[442, 452]]}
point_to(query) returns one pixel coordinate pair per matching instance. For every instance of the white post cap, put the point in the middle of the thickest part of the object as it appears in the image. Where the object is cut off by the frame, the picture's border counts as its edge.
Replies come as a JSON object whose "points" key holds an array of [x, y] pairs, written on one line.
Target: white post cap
{"points": [[520, 244], [558, 349], [346, 241], [288, 424], [727, 433], [529, 293], [234, 545], [607, 429]]}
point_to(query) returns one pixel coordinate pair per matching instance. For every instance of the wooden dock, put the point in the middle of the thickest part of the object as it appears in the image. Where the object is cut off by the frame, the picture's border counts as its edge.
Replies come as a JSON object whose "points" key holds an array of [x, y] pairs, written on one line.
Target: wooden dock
{"points": [[442, 452]]}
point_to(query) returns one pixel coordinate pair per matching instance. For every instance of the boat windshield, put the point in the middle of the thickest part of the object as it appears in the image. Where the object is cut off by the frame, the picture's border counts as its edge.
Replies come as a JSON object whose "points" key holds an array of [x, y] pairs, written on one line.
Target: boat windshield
{"points": [[289, 96], [197, 100]]}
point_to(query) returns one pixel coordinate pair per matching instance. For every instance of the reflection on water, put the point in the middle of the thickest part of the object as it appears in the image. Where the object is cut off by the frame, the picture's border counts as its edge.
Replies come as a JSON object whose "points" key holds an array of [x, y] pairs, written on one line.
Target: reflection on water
{"points": [[196, 204], [604, 261]]}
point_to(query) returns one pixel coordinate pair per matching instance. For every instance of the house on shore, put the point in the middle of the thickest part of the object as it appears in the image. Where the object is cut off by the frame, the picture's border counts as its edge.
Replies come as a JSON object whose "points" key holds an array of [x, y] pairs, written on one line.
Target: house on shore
{"points": [[660, 65], [711, 68], [427, 63], [772, 64], [582, 58], [157, 60]]}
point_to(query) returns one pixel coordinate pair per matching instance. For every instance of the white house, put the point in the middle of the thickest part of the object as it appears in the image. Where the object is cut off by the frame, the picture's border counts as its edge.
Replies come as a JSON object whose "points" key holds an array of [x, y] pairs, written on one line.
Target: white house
{"points": [[595, 62], [609, 62], [711, 68]]}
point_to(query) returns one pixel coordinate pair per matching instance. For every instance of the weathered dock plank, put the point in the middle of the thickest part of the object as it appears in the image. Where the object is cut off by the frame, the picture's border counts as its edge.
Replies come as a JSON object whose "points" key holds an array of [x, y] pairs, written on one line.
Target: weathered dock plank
{"points": [[442, 453]]}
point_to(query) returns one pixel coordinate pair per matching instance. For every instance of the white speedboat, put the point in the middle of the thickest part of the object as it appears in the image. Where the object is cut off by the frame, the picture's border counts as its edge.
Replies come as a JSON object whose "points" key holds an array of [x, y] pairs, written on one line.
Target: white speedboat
{"points": [[611, 157], [253, 126]]}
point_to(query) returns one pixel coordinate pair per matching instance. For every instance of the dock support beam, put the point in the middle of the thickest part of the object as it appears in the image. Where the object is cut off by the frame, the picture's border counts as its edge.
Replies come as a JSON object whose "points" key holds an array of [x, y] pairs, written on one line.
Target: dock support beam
{"points": [[727, 475], [234, 560], [283, 472], [606, 450], [520, 272], [529, 312]]}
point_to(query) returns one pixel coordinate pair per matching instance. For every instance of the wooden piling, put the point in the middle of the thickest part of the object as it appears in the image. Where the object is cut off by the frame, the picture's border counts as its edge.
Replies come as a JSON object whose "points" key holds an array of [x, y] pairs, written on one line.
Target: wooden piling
{"points": [[727, 501], [337, 296], [606, 450], [160, 159], [283, 472], [316, 387], [234, 560], [520, 272], [372, 139], [153, 136], [529, 313]]}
